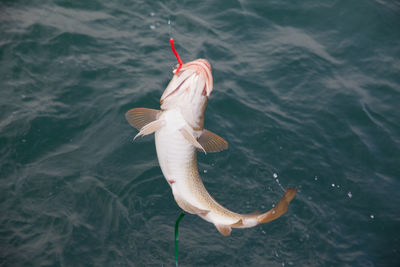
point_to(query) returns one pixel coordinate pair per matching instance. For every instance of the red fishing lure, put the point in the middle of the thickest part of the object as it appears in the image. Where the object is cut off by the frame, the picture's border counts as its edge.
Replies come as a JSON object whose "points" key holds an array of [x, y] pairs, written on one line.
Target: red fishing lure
{"points": [[171, 40]]}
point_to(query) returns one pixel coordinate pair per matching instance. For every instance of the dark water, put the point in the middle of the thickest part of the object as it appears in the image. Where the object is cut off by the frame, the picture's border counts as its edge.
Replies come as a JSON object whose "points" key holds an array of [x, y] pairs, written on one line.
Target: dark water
{"points": [[307, 94]]}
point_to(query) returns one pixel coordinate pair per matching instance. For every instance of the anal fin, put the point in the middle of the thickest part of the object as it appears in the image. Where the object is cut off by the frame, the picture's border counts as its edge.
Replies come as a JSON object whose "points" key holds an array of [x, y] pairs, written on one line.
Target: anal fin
{"points": [[225, 230]]}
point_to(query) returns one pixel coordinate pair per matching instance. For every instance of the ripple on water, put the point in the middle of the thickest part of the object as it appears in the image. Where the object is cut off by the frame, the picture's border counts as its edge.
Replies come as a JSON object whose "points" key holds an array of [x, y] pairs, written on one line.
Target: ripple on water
{"points": [[305, 94]]}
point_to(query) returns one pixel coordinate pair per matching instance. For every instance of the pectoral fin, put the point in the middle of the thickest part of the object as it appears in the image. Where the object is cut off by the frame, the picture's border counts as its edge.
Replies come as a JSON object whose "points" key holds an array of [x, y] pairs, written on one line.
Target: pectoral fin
{"points": [[139, 117], [212, 142], [188, 136], [224, 229], [150, 128]]}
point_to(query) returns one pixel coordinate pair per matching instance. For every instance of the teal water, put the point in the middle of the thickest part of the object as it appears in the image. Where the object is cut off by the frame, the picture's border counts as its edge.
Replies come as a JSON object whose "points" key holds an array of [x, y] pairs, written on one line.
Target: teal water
{"points": [[306, 94]]}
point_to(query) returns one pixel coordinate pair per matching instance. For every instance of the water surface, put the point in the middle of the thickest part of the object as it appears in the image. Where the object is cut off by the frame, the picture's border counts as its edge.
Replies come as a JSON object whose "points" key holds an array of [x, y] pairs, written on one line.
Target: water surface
{"points": [[306, 94]]}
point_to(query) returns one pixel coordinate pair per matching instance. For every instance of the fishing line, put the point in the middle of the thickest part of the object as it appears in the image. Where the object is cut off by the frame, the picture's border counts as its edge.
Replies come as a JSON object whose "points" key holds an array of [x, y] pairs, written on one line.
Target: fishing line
{"points": [[277, 181], [177, 235], [169, 28], [171, 41]]}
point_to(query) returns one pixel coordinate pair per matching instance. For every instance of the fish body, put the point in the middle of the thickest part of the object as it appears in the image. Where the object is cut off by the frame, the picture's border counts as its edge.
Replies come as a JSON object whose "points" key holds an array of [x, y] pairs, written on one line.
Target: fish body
{"points": [[179, 133]]}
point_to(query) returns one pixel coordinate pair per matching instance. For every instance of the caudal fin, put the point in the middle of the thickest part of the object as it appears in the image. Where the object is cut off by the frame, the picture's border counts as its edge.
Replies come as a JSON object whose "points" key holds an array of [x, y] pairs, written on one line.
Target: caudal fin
{"points": [[280, 209]]}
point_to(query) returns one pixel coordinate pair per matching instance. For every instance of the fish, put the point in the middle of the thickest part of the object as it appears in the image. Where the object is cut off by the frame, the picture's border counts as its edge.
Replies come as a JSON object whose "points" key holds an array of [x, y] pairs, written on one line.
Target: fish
{"points": [[179, 133]]}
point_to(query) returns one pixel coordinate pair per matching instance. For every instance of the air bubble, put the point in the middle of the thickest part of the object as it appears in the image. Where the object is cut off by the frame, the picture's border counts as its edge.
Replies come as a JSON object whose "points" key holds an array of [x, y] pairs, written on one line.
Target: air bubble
{"points": [[263, 232], [349, 194], [275, 175]]}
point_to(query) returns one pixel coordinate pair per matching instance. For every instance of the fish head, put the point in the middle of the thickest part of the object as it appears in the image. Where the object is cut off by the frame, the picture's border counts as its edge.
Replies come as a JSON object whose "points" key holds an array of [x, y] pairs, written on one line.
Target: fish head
{"points": [[189, 90]]}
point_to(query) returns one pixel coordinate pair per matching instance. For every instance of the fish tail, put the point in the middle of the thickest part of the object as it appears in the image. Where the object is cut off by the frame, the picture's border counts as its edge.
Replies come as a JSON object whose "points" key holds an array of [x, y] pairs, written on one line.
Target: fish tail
{"points": [[280, 209]]}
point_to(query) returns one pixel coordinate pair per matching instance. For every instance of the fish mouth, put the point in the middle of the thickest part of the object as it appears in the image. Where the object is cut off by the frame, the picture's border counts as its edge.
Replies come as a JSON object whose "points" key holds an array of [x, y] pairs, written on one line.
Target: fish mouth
{"points": [[206, 69], [175, 90], [199, 67], [202, 63]]}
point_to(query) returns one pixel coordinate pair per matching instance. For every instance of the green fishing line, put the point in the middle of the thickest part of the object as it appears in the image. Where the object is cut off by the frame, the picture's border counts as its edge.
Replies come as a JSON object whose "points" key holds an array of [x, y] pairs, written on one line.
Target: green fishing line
{"points": [[176, 236]]}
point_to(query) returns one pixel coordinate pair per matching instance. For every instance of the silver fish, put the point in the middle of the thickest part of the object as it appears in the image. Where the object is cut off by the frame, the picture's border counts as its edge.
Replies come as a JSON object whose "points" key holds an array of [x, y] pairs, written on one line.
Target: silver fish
{"points": [[179, 133]]}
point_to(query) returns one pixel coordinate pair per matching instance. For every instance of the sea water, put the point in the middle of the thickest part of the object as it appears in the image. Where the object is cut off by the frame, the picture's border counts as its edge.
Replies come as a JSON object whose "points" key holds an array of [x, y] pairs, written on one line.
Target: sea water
{"points": [[306, 93]]}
